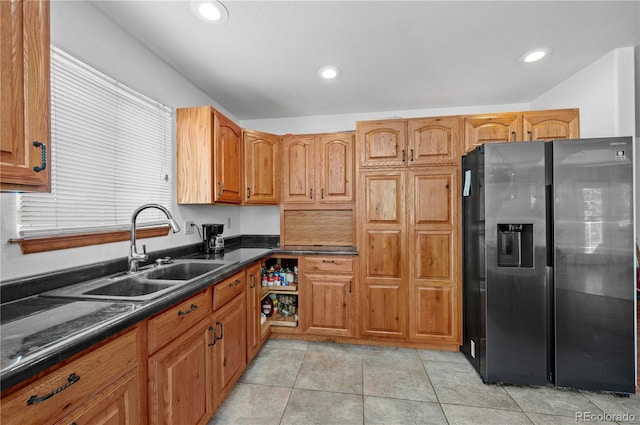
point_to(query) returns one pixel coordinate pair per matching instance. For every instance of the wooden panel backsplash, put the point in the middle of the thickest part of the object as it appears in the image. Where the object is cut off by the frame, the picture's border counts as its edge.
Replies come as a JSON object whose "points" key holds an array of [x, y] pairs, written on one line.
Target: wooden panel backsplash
{"points": [[318, 227]]}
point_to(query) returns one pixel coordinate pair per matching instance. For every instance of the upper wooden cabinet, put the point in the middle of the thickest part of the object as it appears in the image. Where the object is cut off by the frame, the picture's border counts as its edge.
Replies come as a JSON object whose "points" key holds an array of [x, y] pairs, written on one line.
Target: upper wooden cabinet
{"points": [[24, 96], [488, 128], [209, 157], [405, 143], [261, 168], [549, 125], [521, 126], [318, 169]]}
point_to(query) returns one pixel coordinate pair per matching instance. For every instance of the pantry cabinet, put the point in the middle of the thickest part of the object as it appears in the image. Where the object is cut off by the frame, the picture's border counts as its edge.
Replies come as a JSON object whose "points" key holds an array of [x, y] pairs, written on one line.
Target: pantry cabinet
{"points": [[520, 126], [106, 378], [261, 168], [383, 253], [209, 157], [318, 169], [25, 159], [329, 290]]}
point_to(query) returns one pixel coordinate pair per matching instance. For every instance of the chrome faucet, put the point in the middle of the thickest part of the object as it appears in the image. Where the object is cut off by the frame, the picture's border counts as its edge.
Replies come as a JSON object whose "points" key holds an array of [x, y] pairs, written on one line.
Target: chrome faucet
{"points": [[134, 256]]}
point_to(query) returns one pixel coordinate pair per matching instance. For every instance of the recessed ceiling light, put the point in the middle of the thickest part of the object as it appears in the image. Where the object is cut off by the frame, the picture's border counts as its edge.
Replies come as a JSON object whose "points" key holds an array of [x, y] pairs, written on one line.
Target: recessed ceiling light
{"points": [[211, 11], [536, 55], [329, 72]]}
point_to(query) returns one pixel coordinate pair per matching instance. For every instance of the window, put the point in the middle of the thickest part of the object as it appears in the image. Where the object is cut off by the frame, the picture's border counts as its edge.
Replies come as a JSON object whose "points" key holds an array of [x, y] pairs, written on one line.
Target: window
{"points": [[111, 153]]}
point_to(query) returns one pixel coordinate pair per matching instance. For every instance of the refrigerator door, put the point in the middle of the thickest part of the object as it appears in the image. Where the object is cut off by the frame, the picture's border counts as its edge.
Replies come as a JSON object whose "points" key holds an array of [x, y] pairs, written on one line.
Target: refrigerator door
{"points": [[517, 310], [594, 264]]}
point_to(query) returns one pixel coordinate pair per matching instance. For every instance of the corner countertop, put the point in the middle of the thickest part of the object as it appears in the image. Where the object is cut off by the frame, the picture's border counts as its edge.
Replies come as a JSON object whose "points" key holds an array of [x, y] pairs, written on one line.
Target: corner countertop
{"points": [[37, 332]]}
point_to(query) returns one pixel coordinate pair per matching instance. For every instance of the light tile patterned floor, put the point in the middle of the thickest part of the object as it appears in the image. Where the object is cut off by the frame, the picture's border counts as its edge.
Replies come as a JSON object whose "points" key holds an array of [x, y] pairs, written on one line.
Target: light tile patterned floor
{"points": [[298, 382]]}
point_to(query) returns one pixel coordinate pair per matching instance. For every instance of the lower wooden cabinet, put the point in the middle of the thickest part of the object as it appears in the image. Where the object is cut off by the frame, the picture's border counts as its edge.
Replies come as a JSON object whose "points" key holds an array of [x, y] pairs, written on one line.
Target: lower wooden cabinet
{"points": [[118, 404], [230, 346], [254, 325], [102, 384], [329, 291]]}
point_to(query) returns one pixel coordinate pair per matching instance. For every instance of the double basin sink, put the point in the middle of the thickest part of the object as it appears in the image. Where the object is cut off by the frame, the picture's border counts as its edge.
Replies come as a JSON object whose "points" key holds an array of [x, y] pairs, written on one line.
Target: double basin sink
{"points": [[145, 285]]}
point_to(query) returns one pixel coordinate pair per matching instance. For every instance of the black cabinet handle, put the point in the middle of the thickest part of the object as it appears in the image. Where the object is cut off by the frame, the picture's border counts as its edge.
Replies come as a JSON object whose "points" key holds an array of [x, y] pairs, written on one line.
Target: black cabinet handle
{"points": [[349, 286], [248, 192], [411, 155], [72, 379], [322, 193], [513, 136], [184, 313], [404, 156], [329, 261], [530, 133], [43, 161], [311, 193], [221, 330]]}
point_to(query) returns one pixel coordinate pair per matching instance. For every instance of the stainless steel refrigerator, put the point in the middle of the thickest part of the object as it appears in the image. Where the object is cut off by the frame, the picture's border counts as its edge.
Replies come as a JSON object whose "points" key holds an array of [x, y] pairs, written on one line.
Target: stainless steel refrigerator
{"points": [[548, 263]]}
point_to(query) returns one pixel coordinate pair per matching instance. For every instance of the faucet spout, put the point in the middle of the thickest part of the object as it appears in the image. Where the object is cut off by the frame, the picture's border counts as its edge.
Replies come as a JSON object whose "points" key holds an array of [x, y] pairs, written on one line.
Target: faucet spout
{"points": [[134, 256]]}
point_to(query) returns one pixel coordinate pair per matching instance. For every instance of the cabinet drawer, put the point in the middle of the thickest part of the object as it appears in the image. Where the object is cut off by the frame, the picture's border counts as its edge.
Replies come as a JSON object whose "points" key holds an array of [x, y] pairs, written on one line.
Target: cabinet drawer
{"points": [[226, 290], [169, 324], [63, 390], [328, 264]]}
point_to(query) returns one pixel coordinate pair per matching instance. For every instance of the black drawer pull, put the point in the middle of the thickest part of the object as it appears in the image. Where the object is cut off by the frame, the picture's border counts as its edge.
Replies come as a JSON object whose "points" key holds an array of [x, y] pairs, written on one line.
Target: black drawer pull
{"points": [[236, 283], [72, 379], [184, 313], [329, 261]]}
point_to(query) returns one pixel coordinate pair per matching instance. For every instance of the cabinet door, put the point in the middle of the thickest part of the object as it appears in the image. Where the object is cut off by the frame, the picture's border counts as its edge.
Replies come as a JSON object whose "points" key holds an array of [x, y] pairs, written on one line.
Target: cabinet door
{"points": [[261, 168], [25, 96], [434, 310], [180, 379], [254, 327], [118, 404], [336, 167], [434, 141], [553, 124], [194, 155], [298, 166], [481, 129], [382, 143], [230, 356], [228, 160], [383, 257], [329, 307]]}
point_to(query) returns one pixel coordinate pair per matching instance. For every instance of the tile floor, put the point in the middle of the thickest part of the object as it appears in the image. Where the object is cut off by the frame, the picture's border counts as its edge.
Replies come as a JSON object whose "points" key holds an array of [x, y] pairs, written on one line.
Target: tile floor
{"points": [[299, 382]]}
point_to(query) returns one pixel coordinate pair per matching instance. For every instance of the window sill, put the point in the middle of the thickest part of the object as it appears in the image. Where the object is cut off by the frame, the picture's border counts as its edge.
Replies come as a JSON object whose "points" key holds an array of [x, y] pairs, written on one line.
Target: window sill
{"points": [[52, 243]]}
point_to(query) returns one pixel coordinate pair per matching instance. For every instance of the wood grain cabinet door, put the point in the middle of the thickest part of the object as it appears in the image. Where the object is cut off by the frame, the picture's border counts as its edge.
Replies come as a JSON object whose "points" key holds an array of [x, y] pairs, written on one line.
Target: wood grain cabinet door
{"points": [[434, 265], [180, 379], [298, 166], [382, 143], [261, 168], [550, 125], [490, 128], [434, 141], [228, 160], [336, 171], [254, 326], [330, 308], [25, 159]]}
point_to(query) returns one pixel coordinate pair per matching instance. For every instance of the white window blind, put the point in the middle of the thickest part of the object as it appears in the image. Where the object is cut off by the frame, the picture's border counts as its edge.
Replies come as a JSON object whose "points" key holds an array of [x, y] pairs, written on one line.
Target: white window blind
{"points": [[110, 153]]}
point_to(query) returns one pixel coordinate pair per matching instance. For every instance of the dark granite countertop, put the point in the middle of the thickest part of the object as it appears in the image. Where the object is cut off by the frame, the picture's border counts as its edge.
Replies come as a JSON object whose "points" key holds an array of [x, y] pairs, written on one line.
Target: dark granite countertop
{"points": [[38, 332]]}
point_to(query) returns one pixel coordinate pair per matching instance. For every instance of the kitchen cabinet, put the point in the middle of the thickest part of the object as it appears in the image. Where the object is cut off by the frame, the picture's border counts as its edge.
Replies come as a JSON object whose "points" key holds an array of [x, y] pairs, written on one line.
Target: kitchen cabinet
{"points": [[229, 324], [549, 125], [434, 263], [287, 296], [383, 254], [180, 378], [209, 157], [521, 126], [25, 96], [406, 143], [261, 168], [179, 367], [329, 287], [255, 335], [318, 169], [104, 378]]}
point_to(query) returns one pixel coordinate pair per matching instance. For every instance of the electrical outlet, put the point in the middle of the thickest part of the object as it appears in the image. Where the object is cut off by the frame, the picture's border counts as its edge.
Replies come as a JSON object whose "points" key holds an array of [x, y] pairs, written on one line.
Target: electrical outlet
{"points": [[189, 227], [228, 222]]}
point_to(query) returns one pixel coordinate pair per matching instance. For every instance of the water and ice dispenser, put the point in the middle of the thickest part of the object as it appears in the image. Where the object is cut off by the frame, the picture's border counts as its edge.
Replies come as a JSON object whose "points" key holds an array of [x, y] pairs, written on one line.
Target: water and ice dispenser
{"points": [[515, 245]]}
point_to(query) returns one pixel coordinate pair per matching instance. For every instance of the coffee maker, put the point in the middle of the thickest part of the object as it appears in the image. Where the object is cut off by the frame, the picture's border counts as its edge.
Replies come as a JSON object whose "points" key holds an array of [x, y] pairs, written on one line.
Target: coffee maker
{"points": [[212, 238]]}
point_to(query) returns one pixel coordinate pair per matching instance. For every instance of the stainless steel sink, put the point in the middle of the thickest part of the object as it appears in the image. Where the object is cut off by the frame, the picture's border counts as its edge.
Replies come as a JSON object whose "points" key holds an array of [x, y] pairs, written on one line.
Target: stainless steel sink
{"points": [[145, 285]]}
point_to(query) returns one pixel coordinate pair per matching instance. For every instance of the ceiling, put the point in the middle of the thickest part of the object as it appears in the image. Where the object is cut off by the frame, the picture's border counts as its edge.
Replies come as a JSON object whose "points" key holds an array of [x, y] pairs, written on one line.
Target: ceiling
{"points": [[394, 55]]}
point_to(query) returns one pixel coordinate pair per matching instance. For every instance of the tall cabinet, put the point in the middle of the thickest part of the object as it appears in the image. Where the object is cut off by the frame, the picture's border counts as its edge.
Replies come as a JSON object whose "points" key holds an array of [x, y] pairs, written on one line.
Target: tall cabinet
{"points": [[408, 229], [25, 96]]}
